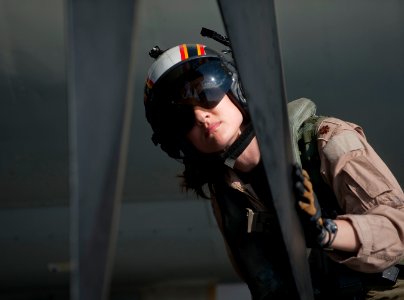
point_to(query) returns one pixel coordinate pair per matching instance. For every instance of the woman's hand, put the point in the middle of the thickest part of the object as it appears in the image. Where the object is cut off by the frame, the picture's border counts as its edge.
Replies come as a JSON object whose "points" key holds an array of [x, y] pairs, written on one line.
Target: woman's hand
{"points": [[318, 232]]}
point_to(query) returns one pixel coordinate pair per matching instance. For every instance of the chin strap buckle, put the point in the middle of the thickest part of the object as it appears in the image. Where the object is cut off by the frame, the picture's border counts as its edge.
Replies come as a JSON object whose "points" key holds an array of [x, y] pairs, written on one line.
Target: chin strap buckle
{"points": [[230, 155]]}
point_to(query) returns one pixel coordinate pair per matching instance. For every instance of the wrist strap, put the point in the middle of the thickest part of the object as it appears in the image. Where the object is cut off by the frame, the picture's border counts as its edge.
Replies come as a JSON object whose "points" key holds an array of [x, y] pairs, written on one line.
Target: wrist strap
{"points": [[332, 229]]}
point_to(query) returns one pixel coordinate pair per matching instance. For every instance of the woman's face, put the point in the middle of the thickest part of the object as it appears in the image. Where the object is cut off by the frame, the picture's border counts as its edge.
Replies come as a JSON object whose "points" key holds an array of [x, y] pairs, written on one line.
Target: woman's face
{"points": [[217, 128]]}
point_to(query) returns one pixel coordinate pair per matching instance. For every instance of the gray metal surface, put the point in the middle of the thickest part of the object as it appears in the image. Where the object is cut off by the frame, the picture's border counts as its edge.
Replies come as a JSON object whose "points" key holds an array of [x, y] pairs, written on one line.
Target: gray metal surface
{"points": [[251, 26], [99, 51]]}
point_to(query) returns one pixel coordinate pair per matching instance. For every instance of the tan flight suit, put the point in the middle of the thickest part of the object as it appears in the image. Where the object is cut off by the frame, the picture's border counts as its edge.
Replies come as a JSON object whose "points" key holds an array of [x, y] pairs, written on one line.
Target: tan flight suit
{"points": [[367, 192]]}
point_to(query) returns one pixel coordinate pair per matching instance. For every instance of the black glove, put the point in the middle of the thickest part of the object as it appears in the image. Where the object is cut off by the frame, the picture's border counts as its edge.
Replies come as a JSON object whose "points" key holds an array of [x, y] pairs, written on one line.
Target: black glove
{"points": [[316, 229]]}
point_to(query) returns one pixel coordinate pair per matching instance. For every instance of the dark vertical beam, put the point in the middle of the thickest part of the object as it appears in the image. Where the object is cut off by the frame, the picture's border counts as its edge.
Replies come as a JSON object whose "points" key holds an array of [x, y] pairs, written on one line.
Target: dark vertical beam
{"points": [[99, 94], [251, 26]]}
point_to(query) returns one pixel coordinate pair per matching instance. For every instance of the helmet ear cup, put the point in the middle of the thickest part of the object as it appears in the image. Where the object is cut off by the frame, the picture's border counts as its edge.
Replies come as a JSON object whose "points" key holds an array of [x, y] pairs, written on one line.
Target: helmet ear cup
{"points": [[237, 96], [236, 88], [168, 145], [238, 91], [178, 148]]}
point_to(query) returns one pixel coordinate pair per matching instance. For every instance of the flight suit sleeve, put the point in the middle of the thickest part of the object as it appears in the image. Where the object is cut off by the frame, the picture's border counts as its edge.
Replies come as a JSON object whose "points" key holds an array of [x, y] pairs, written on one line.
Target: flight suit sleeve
{"points": [[367, 192]]}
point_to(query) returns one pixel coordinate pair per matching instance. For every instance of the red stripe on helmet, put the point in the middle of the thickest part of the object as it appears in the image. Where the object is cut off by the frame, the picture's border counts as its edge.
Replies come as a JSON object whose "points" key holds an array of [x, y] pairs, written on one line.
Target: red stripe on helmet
{"points": [[201, 49], [183, 51]]}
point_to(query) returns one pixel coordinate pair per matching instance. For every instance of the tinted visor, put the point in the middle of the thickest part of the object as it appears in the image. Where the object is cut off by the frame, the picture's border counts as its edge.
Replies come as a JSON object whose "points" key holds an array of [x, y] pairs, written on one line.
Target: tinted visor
{"points": [[201, 82]]}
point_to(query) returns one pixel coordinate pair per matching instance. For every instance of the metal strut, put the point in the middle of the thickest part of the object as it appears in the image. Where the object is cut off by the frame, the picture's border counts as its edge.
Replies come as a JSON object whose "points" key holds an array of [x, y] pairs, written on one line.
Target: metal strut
{"points": [[251, 27], [99, 101]]}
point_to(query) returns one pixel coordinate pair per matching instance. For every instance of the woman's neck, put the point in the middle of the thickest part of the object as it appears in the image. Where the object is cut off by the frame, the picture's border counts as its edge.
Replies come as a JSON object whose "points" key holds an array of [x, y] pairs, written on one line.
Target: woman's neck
{"points": [[249, 158]]}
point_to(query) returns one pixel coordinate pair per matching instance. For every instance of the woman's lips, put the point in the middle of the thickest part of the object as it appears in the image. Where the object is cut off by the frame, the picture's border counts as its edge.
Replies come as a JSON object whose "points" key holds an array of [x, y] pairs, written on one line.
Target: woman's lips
{"points": [[212, 128]]}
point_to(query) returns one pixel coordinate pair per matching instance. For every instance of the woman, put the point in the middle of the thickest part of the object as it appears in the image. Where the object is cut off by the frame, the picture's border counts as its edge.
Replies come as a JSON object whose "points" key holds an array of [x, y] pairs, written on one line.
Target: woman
{"points": [[199, 116]]}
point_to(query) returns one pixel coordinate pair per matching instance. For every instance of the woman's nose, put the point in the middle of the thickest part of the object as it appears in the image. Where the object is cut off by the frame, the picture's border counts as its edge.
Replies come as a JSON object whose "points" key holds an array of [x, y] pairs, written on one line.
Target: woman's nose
{"points": [[201, 114]]}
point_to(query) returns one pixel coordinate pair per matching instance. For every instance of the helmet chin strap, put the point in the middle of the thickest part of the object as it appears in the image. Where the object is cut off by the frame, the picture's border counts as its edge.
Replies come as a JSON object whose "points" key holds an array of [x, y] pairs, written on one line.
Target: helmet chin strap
{"points": [[240, 144]]}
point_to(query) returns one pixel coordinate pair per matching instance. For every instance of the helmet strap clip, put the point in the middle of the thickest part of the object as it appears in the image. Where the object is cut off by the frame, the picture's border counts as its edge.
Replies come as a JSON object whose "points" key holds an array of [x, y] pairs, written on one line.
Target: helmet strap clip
{"points": [[230, 155]]}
